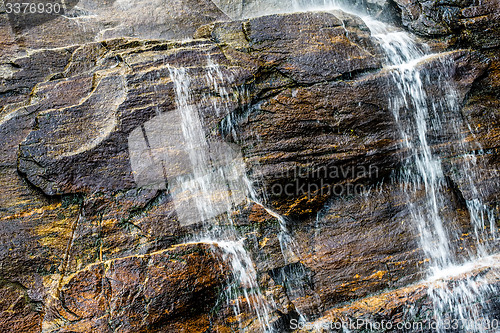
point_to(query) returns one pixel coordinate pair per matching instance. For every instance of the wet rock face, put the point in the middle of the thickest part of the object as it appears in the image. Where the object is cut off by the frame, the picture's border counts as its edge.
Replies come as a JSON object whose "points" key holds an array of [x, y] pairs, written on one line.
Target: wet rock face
{"points": [[310, 47], [350, 265], [108, 105], [77, 146], [69, 161], [89, 20], [141, 293], [84, 249], [466, 21], [410, 309], [237, 9], [20, 75], [346, 125], [482, 113], [19, 313]]}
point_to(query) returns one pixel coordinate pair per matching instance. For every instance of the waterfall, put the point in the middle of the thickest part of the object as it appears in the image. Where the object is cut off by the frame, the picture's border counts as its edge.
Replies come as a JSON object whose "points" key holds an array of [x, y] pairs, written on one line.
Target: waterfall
{"points": [[417, 115], [216, 184], [208, 179], [422, 170]]}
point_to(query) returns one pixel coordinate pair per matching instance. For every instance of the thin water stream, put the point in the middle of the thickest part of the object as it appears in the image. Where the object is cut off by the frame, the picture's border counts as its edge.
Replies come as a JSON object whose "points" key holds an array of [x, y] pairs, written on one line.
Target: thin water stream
{"points": [[213, 186]]}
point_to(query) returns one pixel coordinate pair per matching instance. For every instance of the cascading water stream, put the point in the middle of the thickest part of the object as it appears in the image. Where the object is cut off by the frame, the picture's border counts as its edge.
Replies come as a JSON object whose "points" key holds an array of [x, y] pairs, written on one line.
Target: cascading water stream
{"points": [[422, 170], [213, 184], [205, 179], [463, 304]]}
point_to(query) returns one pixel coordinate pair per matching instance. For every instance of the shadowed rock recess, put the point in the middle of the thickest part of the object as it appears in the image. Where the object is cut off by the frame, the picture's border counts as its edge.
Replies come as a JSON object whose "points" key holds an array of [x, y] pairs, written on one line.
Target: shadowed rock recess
{"points": [[84, 249]]}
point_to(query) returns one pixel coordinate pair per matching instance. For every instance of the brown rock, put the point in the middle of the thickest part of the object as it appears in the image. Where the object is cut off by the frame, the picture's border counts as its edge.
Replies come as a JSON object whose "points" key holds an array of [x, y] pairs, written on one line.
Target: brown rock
{"points": [[408, 306], [339, 135], [141, 293], [307, 98], [474, 25], [103, 128], [94, 20], [238, 9], [483, 117], [18, 313], [333, 45]]}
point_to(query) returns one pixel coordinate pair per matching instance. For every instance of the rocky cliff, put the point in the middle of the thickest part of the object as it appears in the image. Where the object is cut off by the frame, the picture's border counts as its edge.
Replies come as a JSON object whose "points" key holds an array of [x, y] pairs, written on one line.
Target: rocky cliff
{"points": [[84, 249]]}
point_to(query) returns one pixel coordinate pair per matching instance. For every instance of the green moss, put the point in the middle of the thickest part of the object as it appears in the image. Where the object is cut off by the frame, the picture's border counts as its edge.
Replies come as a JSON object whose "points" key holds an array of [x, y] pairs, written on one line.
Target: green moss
{"points": [[71, 200]]}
